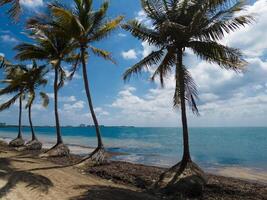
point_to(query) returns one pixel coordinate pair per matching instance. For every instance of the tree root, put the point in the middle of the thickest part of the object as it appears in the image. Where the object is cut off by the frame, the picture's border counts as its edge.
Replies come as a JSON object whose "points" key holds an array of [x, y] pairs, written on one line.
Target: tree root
{"points": [[34, 145], [185, 178], [59, 150], [97, 157], [18, 142]]}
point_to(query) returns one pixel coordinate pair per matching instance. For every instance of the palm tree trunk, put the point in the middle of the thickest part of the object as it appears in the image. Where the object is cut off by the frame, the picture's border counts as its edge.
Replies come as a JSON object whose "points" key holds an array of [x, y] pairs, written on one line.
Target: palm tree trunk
{"points": [[87, 90], [30, 121], [58, 132], [180, 74], [20, 112]]}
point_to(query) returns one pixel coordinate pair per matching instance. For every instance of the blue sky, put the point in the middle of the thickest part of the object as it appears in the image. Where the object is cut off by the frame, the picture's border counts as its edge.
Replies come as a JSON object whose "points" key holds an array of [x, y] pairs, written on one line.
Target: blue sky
{"points": [[226, 98]]}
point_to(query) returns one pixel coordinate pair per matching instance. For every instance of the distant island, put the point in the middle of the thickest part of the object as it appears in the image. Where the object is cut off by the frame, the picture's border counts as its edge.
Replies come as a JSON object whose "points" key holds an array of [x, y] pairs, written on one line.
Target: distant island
{"points": [[4, 125]]}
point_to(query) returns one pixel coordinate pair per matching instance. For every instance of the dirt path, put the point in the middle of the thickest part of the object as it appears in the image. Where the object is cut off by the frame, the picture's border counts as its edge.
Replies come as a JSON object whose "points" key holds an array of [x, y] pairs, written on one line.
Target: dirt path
{"points": [[26, 178]]}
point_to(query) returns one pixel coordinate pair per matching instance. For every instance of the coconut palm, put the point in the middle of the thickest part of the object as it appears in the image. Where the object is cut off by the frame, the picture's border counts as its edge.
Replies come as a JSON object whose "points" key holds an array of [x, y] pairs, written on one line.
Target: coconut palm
{"points": [[177, 25], [35, 77], [15, 8], [15, 85], [87, 26], [55, 47]]}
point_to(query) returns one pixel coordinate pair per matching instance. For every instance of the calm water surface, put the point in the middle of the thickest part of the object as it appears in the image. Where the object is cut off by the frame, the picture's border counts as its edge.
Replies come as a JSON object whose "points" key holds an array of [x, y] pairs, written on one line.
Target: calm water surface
{"points": [[210, 147]]}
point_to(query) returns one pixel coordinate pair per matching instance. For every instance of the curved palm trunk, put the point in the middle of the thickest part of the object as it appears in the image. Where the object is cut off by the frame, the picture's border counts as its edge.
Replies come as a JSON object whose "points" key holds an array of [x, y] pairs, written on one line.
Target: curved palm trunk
{"points": [[180, 75], [30, 121], [58, 132], [87, 90], [20, 112]]}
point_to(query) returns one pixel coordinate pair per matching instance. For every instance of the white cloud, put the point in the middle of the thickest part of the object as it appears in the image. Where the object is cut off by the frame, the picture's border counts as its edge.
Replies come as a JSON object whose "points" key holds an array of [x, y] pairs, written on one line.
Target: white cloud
{"points": [[128, 55], [2, 54], [32, 3], [8, 39], [251, 39], [78, 105], [122, 35], [101, 112], [63, 99]]}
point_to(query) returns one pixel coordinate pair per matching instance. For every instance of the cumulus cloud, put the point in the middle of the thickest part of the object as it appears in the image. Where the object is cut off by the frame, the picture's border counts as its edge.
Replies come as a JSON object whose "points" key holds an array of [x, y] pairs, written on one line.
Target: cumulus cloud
{"points": [[8, 38], [128, 55], [78, 105]]}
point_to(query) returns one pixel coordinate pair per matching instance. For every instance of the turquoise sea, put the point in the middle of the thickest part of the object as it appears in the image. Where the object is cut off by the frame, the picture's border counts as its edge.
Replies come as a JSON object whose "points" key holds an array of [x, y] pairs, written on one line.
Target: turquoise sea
{"points": [[210, 147]]}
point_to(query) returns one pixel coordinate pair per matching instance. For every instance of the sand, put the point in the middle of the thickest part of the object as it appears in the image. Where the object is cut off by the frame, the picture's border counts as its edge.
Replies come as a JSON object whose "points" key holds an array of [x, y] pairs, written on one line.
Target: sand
{"points": [[25, 178], [243, 173]]}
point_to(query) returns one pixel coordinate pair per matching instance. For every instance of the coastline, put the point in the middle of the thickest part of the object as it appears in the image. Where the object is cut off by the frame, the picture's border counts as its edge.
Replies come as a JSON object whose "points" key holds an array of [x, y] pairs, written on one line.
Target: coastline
{"points": [[239, 172], [136, 179]]}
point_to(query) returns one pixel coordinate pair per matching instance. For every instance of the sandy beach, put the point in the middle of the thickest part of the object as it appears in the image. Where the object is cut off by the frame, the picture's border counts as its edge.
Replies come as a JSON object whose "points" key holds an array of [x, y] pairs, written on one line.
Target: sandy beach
{"points": [[24, 176]]}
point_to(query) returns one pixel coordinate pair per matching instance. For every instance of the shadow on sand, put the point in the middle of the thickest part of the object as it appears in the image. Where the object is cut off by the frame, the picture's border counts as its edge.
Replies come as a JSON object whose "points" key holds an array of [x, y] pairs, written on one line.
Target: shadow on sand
{"points": [[14, 177], [106, 193]]}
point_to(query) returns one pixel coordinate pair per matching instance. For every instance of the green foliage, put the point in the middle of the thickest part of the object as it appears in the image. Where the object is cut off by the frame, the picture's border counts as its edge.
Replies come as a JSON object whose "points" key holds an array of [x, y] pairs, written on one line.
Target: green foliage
{"points": [[179, 24], [20, 81], [86, 25], [15, 8]]}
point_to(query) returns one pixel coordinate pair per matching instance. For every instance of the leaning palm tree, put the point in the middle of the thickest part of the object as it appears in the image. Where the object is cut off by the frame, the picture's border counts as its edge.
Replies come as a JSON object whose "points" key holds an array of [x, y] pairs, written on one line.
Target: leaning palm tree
{"points": [[35, 77], [55, 47], [177, 25], [15, 85], [87, 26], [15, 8]]}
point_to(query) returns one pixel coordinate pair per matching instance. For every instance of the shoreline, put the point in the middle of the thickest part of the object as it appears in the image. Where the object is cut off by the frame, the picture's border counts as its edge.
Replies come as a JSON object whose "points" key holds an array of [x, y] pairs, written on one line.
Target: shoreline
{"points": [[136, 179], [257, 175]]}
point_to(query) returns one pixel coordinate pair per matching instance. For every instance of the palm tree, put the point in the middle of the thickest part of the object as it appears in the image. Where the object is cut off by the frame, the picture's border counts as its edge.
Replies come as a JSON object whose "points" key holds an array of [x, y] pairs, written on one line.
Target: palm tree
{"points": [[14, 80], [55, 47], [88, 26], [177, 25], [15, 8], [35, 79]]}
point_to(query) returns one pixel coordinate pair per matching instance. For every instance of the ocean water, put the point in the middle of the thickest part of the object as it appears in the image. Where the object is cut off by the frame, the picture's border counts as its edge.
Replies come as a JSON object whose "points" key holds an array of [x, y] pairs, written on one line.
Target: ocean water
{"points": [[210, 147]]}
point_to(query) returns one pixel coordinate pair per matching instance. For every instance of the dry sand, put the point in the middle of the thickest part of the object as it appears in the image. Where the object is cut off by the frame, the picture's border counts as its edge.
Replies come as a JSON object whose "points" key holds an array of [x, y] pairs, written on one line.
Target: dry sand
{"points": [[25, 178], [244, 174]]}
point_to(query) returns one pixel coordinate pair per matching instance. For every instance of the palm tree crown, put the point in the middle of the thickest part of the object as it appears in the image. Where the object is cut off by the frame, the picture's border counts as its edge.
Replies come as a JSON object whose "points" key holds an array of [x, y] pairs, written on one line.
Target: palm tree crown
{"points": [[197, 25]]}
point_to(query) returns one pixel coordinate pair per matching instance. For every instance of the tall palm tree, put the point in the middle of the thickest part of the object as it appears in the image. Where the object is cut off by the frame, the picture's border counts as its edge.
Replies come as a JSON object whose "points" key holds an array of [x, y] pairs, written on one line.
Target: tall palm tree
{"points": [[15, 8], [34, 79], [87, 26], [177, 25], [55, 47], [14, 81]]}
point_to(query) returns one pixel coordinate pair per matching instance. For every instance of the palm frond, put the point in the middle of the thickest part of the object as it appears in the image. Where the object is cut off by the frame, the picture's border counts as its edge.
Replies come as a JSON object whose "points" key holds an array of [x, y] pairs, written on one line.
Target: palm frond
{"points": [[143, 33], [15, 8], [102, 53], [10, 102], [165, 67], [106, 29], [226, 57], [152, 59], [189, 87], [45, 98]]}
